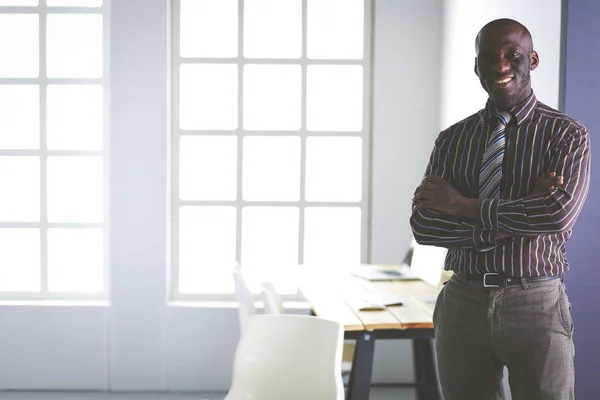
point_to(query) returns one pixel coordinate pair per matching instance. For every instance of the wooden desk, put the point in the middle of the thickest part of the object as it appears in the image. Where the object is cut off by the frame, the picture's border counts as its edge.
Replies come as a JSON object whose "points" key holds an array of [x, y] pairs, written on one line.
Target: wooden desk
{"points": [[335, 295]]}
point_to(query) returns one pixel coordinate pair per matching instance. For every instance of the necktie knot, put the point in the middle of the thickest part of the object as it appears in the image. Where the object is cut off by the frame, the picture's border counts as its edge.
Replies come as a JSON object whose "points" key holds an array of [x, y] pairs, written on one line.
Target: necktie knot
{"points": [[503, 117]]}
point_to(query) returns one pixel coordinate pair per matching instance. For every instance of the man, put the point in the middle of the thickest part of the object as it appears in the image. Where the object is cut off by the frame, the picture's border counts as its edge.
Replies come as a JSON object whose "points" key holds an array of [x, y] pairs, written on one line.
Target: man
{"points": [[502, 192]]}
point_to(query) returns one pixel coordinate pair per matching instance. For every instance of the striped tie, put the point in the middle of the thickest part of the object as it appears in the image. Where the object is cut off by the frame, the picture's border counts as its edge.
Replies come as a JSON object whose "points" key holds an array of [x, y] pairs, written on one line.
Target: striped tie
{"points": [[491, 163]]}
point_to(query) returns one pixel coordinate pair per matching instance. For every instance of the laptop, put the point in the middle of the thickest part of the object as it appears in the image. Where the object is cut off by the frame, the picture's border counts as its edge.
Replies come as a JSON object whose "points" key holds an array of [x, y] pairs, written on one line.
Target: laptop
{"points": [[427, 263], [384, 273], [422, 262]]}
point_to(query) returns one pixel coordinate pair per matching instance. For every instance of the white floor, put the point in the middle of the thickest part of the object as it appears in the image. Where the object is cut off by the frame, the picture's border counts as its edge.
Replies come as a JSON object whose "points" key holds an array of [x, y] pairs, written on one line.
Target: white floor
{"points": [[376, 394]]}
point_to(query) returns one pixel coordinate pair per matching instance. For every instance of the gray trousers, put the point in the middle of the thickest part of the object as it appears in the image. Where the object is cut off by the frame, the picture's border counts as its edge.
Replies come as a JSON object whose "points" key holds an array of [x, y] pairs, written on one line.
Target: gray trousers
{"points": [[527, 328]]}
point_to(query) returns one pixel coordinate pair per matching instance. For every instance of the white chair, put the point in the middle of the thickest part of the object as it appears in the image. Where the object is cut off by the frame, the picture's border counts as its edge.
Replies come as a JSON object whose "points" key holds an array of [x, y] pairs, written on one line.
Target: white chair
{"points": [[271, 299], [244, 297], [274, 305], [272, 364]]}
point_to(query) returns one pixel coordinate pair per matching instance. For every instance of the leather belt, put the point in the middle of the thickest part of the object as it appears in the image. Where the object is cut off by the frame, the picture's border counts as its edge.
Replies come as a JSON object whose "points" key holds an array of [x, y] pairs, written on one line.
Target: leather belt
{"points": [[500, 280]]}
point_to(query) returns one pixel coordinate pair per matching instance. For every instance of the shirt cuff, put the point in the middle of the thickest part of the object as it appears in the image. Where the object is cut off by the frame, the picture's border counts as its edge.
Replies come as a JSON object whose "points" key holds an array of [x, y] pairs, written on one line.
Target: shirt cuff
{"points": [[488, 215], [484, 240]]}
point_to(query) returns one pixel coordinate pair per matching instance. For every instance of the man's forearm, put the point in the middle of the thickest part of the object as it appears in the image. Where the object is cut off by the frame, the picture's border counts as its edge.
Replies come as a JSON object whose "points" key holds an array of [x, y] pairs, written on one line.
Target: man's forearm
{"points": [[471, 208]]}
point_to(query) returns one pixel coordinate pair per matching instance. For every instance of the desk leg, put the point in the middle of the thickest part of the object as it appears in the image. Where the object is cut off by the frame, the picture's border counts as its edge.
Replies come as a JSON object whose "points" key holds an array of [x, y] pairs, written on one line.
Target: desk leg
{"points": [[425, 370], [362, 368]]}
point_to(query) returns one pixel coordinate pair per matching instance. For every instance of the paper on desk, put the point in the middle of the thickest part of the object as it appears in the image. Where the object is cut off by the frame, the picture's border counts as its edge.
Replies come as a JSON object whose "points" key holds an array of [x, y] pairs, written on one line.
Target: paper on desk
{"points": [[377, 302]]}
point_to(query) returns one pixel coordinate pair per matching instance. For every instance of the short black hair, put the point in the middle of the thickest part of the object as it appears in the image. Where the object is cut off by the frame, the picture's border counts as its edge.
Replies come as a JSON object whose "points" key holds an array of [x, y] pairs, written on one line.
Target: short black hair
{"points": [[504, 22]]}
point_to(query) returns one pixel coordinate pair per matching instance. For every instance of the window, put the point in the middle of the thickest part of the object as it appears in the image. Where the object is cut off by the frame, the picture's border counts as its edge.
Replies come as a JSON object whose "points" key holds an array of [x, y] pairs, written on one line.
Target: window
{"points": [[53, 149], [270, 139]]}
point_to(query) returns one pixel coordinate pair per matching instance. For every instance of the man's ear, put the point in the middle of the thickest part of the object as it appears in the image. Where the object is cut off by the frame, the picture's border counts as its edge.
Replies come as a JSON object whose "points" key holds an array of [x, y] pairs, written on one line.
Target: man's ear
{"points": [[534, 60], [475, 67]]}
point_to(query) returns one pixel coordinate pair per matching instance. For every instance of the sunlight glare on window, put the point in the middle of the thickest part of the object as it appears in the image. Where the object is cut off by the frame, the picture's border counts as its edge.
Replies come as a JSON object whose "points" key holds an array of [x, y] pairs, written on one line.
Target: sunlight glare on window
{"points": [[75, 260], [75, 189], [20, 269], [207, 240], [270, 240], [335, 29], [273, 28], [332, 236], [74, 3], [271, 168], [272, 97], [19, 117], [329, 180], [334, 98], [269, 237], [19, 45], [71, 55], [19, 3], [20, 183], [208, 96], [75, 117], [208, 168], [209, 28]]}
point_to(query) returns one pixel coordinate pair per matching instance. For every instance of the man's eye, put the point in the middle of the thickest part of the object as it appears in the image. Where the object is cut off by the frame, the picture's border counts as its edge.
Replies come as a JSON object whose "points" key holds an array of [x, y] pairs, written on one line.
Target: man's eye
{"points": [[516, 55]]}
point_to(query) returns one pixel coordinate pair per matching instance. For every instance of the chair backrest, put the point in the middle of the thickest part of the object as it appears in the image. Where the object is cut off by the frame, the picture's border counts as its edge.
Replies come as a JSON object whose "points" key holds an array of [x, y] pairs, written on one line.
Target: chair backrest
{"points": [[246, 307], [284, 356], [271, 299]]}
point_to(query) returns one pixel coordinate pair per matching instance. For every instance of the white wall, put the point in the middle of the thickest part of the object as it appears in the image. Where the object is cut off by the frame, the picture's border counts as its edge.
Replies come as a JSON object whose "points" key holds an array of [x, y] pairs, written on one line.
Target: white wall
{"points": [[408, 47], [139, 208], [462, 95], [140, 343]]}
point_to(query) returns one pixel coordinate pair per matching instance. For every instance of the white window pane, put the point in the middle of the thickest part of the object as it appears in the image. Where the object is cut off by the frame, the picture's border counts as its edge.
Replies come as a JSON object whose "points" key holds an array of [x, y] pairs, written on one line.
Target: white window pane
{"points": [[270, 246], [271, 168], [332, 236], [272, 97], [75, 260], [19, 117], [74, 55], [269, 237], [208, 168], [335, 29], [75, 117], [20, 183], [20, 3], [208, 96], [74, 3], [20, 269], [207, 237], [209, 28], [75, 189], [333, 169], [19, 46], [273, 28], [334, 98]]}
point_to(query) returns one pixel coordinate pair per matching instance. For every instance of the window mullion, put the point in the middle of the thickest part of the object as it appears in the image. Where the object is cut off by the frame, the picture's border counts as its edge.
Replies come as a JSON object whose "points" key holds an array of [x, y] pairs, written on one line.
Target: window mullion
{"points": [[175, 150], [240, 132], [303, 137], [43, 85]]}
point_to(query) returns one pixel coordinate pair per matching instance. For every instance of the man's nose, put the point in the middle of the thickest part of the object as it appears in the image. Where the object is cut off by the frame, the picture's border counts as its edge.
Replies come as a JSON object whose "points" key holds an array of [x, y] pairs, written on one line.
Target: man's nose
{"points": [[501, 66]]}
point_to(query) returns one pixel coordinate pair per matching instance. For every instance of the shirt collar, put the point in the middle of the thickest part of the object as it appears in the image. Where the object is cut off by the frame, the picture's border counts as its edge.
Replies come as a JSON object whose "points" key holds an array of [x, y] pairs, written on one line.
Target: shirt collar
{"points": [[520, 113]]}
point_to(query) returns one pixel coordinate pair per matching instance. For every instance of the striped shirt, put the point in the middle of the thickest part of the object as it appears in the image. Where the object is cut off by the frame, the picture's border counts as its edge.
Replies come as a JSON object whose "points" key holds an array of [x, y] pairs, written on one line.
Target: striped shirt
{"points": [[539, 140]]}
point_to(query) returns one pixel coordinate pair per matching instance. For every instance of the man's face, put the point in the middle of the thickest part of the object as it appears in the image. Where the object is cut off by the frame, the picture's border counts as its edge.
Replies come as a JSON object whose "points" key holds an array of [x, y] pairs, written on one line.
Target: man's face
{"points": [[504, 60]]}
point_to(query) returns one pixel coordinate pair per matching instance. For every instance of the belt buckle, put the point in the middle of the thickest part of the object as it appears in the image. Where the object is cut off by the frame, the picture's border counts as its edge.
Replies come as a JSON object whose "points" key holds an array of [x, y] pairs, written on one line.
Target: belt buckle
{"points": [[485, 284]]}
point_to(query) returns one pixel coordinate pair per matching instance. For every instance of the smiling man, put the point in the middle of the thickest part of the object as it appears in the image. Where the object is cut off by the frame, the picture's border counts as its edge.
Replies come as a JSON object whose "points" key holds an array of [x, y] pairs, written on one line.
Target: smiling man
{"points": [[502, 192]]}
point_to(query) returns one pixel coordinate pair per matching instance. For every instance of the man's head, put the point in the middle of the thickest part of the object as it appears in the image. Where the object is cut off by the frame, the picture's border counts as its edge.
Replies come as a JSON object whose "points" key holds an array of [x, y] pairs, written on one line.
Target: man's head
{"points": [[505, 57]]}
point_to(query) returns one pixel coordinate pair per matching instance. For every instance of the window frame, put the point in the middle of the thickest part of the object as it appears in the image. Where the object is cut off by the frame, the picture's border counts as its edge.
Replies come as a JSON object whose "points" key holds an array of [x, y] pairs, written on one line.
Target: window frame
{"points": [[176, 133], [42, 81]]}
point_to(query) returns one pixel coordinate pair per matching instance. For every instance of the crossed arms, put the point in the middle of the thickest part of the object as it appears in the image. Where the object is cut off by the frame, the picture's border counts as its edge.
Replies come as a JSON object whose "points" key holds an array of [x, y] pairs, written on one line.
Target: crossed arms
{"points": [[442, 216]]}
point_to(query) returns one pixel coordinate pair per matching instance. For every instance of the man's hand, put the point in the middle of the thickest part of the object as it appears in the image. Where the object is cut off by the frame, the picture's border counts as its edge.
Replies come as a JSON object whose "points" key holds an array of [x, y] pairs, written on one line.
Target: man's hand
{"points": [[436, 194], [547, 182]]}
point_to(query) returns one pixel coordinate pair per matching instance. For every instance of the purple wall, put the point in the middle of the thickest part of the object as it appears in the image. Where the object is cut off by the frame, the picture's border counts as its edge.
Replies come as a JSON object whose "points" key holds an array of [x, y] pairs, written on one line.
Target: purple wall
{"points": [[582, 101]]}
